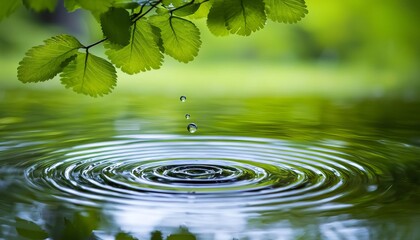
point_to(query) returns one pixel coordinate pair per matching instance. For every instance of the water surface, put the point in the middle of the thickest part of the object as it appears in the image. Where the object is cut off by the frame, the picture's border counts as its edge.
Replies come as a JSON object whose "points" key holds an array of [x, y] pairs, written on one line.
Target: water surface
{"points": [[257, 168]]}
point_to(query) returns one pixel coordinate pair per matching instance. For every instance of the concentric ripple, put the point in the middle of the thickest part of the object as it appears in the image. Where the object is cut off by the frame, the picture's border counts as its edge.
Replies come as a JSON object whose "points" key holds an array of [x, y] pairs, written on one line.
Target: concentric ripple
{"points": [[254, 174]]}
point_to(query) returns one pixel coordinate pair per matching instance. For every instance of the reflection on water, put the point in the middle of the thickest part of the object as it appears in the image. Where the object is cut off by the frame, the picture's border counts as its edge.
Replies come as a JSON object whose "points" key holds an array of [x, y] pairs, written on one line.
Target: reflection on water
{"points": [[257, 169]]}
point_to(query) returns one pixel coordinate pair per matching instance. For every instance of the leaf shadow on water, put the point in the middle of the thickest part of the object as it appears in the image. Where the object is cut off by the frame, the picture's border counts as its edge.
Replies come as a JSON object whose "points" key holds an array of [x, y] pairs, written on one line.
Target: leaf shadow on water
{"points": [[84, 225]]}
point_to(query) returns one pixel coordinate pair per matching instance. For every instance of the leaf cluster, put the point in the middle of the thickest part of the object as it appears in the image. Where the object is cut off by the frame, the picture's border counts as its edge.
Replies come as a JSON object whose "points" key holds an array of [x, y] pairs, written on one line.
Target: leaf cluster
{"points": [[137, 35]]}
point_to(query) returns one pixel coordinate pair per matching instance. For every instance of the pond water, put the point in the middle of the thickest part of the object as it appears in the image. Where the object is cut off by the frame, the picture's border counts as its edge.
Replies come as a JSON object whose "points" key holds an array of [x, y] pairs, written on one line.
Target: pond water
{"points": [[126, 167]]}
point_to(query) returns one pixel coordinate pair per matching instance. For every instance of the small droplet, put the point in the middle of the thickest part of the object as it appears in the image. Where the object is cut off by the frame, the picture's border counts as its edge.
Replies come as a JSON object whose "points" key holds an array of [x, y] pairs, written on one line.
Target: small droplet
{"points": [[192, 128], [183, 98], [187, 116]]}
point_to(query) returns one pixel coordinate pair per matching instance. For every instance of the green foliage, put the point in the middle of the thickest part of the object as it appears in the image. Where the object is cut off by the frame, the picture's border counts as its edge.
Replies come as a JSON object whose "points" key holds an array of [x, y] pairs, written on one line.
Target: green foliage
{"points": [[136, 41], [180, 37], [116, 26], [141, 54], [46, 61], [287, 11], [89, 74]]}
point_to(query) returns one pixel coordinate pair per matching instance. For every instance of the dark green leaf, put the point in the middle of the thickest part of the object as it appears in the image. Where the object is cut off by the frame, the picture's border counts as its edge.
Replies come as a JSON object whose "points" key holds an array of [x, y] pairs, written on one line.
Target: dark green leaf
{"points": [[180, 37], [141, 54], [44, 62], [124, 236], [116, 25], [287, 11], [216, 19], [30, 230], [156, 235], [90, 75], [41, 5], [7, 7], [187, 10], [244, 16]]}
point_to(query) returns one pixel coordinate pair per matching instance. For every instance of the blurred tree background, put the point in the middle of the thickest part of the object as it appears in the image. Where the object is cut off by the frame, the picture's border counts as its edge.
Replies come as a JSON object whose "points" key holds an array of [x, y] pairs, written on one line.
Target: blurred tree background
{"points": [[340, 49]]}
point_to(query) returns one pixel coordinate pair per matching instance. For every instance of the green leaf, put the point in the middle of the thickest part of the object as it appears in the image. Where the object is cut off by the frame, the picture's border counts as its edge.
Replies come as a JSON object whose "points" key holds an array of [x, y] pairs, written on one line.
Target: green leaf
{"points": [[216, 19], [287, 11], [244, 16], [90, 75], [71, 5], [41, 5], [8, 7], [30, 230], [180, 37], [116, 25], [187, 10], [96, 6], [203, 11], [141, 54], [44, 62], [125, 4]]}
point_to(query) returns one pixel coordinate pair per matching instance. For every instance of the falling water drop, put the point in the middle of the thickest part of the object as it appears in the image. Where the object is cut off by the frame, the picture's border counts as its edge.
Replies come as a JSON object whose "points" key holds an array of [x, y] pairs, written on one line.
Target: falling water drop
{"points": [[183, 98], [187, 116], [192, 128]]}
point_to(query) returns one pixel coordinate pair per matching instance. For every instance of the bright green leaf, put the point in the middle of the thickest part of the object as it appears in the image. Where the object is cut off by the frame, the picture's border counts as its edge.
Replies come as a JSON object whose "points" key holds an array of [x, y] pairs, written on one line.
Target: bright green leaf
{"points": [[216, 19], [116, 25], [141, 54], [180, 37], [287, 11], [202, 11], [8, 7], [28, 229], [90, 75], [96, 6], [71, 5], [244, 16], [44, 62], [40, 5]]}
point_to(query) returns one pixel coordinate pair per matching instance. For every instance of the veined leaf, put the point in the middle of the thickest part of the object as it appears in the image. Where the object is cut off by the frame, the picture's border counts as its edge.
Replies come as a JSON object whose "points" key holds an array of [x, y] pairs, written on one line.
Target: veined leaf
{"points": [[180, 37], [96, 6], [90, 75], [8, 7], [141, 54], [287, 11], [116, 25], [244, 16], [44, 62], [216, 19], [40, 5]]}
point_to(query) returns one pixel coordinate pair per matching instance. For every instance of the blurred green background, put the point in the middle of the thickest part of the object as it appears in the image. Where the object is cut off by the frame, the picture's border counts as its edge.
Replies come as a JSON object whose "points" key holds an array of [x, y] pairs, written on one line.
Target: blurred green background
{"points": [[353, 49]]}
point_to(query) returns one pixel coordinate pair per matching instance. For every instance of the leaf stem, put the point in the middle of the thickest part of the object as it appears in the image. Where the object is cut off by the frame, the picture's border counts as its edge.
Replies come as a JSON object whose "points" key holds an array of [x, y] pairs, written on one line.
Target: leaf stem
{"points": [[94, 44], [135, 18]]}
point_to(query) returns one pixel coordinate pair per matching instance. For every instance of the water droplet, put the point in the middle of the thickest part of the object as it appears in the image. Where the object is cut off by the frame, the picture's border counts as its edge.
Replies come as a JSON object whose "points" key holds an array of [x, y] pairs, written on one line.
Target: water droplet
{"points": [[183, 98], [187, 116], [192, 128]]}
